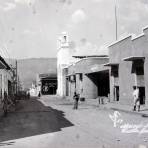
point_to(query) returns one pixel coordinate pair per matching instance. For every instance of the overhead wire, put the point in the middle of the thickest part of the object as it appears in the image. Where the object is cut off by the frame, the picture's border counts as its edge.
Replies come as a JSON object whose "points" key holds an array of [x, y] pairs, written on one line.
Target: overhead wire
{"points": [[3, 46], [9, 58]]}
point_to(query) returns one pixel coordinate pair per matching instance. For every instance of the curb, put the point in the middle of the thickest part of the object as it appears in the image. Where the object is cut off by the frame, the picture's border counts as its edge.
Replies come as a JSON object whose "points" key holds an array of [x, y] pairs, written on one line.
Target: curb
{"points": [[131, 112]]}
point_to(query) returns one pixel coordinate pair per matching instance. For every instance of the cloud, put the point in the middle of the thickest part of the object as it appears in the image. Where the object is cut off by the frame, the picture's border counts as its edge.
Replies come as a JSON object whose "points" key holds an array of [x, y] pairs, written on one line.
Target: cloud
{"points": [[68, 2], [26, 2], [9, 6], [132, 15], [87, 48], [78, 16], [27, 31], [97, 1], [103, 50]]}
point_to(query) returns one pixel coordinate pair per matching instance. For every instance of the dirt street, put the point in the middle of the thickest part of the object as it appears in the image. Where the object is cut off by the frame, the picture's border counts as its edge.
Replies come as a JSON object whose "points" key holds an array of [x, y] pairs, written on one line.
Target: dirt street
{"points": [[51, 122]]}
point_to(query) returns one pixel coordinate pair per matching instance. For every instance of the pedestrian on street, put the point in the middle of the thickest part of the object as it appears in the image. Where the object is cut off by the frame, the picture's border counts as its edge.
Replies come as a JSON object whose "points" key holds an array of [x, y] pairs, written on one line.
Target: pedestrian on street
{"points": [[76, 99], [28, 95], [136, 98], [5, 103], [39, 94]]}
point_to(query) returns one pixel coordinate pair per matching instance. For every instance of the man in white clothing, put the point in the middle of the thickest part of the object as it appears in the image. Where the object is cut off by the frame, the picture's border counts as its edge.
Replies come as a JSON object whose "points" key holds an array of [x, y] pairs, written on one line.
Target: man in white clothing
{"points": [[136, 98]]}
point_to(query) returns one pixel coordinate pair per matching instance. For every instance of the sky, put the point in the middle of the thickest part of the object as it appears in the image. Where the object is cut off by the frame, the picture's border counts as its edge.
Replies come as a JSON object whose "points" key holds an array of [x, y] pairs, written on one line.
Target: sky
{"points": [[30, 28]]}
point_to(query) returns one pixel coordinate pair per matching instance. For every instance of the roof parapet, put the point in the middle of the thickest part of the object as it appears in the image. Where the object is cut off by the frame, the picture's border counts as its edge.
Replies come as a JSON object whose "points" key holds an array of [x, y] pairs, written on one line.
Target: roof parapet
{"points": [[138, 36], [120, 40], [145, 30], [131, 36]]}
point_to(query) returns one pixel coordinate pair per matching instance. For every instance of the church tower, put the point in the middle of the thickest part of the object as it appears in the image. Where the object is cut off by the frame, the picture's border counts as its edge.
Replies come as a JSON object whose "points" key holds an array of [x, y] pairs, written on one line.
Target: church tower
{"points": [[63, 56]]}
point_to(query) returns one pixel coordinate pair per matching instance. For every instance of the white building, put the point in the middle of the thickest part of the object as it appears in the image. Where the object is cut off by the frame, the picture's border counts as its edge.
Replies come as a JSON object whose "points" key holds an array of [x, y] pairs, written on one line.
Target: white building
{"points": [[6, 79], [64, 59]]}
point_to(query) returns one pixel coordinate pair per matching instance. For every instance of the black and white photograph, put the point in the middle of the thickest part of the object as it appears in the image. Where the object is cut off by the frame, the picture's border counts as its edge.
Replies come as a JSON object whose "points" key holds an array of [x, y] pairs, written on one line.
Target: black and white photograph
{"points": [[73, 73]]}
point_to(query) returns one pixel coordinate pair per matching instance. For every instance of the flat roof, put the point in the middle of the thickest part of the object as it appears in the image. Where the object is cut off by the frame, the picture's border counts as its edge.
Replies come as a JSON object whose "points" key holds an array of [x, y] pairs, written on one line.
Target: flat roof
{"points": [[98, 71], [120, 40], [133, 58], [87, 56], [111, 64], [47, 75]]}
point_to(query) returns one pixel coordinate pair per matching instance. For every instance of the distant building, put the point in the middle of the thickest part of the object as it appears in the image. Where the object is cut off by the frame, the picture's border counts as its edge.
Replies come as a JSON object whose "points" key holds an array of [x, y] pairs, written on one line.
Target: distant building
{"points": [[6, 79], [46, 84], [64, 59]]}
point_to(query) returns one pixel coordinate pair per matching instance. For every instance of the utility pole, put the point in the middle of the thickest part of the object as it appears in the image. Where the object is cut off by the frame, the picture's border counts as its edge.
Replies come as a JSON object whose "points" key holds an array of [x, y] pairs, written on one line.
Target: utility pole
{"points": [[16, 76], [116, 21]]}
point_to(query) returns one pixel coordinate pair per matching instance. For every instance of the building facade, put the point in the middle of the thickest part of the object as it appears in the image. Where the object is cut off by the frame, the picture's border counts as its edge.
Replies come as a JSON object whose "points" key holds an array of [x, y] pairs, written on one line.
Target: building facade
{"points": [[128, 62], [88, 77], [6, 79], [46, 84]]}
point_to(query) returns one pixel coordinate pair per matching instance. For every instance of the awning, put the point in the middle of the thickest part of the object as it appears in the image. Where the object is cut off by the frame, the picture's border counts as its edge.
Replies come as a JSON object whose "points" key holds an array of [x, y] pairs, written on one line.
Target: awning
{"points": [[70, 75], [100, 71], [111, 64], [89, 56], [133, 58], [97, 69], [47, 75], [78, 73]]}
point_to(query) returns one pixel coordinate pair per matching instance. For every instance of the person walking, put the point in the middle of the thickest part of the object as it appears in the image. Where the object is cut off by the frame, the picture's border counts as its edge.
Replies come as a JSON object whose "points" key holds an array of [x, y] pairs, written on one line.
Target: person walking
{"points": [[136, 98], [76, 99], [39, 94], [5, 103]]}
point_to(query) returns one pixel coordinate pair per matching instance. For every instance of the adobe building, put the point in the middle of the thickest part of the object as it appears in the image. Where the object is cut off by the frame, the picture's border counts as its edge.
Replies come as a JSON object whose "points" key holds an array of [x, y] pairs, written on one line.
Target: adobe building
{"points": [[128, 61], [88, 77], [47, 83], [6, 79]]}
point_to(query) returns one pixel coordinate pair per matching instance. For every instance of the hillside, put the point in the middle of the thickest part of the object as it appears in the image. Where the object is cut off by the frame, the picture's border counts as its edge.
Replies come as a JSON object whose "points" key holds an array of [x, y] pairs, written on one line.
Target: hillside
{"points": [[29, 68]]}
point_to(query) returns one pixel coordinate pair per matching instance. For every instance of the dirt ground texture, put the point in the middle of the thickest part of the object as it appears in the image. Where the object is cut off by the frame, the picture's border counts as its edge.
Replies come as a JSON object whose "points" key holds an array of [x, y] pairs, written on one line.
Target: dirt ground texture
{"points": [[51, 122]]}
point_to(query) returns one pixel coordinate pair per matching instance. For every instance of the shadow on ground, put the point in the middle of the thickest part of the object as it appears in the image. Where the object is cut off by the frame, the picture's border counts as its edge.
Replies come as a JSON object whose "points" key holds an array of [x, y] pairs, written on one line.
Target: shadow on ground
{"points": [[31, 118]]}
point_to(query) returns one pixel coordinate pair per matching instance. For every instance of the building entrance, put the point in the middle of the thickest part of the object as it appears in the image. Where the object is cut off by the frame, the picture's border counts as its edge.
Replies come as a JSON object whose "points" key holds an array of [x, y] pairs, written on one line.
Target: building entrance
{"points": [[49, 87], [103, 84], [116, 93], [142, 95], [101, 80]]}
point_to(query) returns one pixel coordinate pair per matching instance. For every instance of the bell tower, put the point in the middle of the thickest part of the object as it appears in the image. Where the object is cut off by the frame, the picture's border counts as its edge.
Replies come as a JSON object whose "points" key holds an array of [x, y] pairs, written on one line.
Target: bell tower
{"points": [[62, 61]]}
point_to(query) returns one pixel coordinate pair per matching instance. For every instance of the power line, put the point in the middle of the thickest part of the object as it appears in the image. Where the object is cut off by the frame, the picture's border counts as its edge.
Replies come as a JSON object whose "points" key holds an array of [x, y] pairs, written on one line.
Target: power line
{"points": [[4, 55], [2, 52], [5, 48]]}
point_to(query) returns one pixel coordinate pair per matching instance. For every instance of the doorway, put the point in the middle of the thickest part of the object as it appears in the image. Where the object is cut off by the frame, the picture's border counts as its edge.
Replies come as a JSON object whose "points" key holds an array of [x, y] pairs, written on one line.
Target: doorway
{"points": [[142, 95], [49, 86], [103, 84], [116, 93]]}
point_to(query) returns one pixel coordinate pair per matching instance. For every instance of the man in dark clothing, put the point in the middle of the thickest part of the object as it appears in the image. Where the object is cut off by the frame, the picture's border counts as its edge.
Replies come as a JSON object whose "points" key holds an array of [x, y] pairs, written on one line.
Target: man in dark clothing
{"points": [[5, 103], [28, 95], [76, 99], [39, 95]]}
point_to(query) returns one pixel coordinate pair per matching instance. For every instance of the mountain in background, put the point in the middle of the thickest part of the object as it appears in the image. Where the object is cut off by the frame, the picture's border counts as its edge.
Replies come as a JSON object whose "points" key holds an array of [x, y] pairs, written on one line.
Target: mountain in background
{"points": [[29, 68]]}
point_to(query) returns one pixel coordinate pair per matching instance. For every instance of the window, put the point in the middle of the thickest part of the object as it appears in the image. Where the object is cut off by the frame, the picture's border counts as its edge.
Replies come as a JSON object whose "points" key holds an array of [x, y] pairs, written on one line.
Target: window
{"points": [[138, 67], [140, 70], [114, 71]]}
